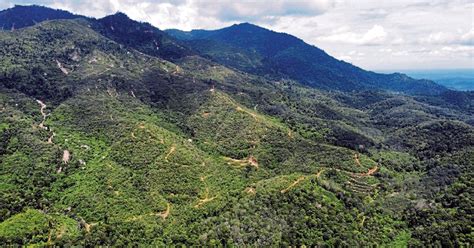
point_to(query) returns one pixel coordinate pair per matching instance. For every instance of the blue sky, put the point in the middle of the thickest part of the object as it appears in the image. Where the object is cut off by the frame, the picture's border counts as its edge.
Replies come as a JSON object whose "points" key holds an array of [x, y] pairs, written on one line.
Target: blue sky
{"points": [[374, 34]]}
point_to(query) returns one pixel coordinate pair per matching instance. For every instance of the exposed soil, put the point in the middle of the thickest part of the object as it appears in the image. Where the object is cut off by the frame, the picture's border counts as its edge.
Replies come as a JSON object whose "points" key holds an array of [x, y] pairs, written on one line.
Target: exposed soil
{"points": [[236, 162], [66, 156], [87, 227], [205, 200], [251, 191], [356, 159], [166, 213], [370, 172], [293, 184], [362, 222], [320, 173], [290, 134], [44, 115], [252, 161], [60, 66], [43, 106], [172, 150], [50, 139], [61, 233]]}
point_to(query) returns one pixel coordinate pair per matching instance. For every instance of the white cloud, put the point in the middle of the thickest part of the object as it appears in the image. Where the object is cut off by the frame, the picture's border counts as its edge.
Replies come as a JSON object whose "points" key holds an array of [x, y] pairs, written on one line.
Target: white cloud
{"points": [[375, 35], [468, 38], [446, 38], [400, 53], [398, 41], [385, 50], [462, 49], [344, 57], [5, 5], [438, 38], [230, 10], [192, 14]]}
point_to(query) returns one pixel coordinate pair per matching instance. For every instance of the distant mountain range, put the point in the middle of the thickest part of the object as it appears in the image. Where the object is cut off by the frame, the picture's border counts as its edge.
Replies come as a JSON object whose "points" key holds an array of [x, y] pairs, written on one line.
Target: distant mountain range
{"points": [[456, 79], [257, 50], [245, 46]]}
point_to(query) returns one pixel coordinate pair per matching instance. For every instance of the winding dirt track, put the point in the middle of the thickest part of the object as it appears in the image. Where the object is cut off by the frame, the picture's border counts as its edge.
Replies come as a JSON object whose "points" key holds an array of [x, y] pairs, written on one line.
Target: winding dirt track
{"points": [[50, 139], [66, 153], [370, 172], [172, 150], [166, 213], [61, 67], [362, 222], [252, 161], [163, 214], [43, 106], [86, 226], [320, 173], [205, 200], [41, 125], [356, 159], [293, 184]]}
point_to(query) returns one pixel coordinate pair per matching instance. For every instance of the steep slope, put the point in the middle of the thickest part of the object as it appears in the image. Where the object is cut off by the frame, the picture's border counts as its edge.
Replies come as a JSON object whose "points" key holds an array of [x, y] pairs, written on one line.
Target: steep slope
{"points": [[141, 36], [281, 55], [118, 27]]}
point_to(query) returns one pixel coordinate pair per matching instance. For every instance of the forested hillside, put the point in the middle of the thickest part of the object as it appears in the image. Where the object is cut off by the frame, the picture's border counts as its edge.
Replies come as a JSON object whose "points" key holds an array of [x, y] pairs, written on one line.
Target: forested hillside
{"points": [[114, 133], [253, 49]]}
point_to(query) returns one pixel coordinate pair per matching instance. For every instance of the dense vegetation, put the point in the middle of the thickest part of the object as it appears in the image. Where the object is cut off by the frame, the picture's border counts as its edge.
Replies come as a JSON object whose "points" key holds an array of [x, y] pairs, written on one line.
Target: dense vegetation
{"points": [[24, 16], [260, 51], [106, 141]]}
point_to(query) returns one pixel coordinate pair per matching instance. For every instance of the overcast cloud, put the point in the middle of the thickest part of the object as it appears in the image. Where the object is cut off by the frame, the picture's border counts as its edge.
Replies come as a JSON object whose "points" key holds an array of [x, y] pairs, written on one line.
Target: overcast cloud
{"points": [[373, 34]]}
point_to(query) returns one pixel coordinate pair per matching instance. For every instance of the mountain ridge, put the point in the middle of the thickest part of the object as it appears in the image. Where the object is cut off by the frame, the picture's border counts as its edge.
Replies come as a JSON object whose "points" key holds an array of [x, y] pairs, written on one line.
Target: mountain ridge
{"points": [[271, 47], [13, 18], [278, 55]]}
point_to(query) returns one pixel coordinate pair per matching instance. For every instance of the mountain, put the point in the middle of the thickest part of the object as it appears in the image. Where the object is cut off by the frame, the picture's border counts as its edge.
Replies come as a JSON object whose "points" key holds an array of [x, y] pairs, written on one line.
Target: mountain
{"points": [[25, 16], [141, 36], [257, 50], [245, 47], [106, 142], [118, 27]]}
